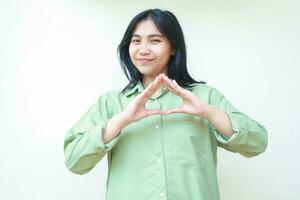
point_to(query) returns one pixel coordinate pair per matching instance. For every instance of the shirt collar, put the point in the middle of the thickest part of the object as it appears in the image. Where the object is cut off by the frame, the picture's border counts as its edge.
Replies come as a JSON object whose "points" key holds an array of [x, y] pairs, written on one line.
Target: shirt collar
{"points": [[138, 87]]}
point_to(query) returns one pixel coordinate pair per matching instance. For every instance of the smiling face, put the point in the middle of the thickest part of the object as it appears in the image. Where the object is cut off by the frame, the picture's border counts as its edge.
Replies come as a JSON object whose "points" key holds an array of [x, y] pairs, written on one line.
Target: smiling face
{"points": [[149, 50]]}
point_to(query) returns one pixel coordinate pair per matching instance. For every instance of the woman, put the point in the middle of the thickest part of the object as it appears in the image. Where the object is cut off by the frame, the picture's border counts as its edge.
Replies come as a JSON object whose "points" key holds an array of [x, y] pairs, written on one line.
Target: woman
{"points": [[161, 132]]}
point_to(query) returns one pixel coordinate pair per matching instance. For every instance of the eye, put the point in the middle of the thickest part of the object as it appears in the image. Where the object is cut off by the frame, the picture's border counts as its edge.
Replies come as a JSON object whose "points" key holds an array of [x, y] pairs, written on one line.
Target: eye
{"points": [[155, 41], [134, 41]]}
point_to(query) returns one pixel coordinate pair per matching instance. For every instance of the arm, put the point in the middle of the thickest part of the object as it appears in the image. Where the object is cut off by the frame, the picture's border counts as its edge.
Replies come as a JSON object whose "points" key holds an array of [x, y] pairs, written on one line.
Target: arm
{"points": [[233, 130], [114, 127], [96, 133], [219, 119], [134, 111], [84, 146], [248, 137]]}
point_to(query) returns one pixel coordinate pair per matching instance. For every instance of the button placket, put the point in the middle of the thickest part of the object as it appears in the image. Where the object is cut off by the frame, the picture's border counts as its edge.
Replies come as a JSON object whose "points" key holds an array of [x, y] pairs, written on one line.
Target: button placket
{"points": [[163, 195], [159, 160], [157, 106]]}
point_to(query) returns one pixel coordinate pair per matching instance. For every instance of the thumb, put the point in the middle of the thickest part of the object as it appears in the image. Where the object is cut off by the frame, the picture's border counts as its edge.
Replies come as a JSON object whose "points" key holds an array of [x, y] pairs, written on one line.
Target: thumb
{"points": [[153, 112], [174, 110]]}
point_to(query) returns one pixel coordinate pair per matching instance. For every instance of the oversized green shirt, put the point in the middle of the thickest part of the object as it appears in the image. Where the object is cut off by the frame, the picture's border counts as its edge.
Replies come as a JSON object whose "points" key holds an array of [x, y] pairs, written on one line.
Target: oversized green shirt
{"points": [[161, 156]]}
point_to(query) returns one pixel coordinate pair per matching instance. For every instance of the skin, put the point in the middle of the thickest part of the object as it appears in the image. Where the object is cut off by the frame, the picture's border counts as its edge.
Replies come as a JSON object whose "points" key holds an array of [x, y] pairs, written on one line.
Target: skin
{"points": [[148, 43]]}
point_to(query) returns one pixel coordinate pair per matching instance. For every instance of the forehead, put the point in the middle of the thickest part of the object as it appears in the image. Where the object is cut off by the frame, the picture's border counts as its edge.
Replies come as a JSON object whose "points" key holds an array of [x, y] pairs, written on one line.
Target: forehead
{"points": [[146, 28]]}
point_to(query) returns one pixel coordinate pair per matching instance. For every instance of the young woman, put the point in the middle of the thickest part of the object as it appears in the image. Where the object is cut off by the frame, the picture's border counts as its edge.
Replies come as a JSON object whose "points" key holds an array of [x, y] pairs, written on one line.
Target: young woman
{"points": [[161, 132]]}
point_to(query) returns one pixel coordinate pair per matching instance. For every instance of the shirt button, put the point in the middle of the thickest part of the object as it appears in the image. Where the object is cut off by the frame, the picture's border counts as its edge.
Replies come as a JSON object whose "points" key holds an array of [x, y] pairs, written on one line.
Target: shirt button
{"points": [[156, 126], [162, 194], [159, 160], [155, 101]]}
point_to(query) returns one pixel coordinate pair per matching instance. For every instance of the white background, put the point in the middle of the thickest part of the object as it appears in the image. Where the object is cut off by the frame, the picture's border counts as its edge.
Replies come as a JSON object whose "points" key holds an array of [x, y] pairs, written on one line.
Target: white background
{"points": [[57, 57]]}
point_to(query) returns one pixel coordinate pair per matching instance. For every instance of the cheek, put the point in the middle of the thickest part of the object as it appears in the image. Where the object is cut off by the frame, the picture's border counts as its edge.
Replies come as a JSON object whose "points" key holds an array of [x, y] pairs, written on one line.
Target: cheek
{"points": [[163, 52], [164, 56], [131, 54], [131, 51]]}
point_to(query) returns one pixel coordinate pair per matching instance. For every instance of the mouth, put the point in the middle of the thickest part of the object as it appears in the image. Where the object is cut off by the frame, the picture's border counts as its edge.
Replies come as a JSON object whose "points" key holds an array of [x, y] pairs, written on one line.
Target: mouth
{"points": [[144, 61]]}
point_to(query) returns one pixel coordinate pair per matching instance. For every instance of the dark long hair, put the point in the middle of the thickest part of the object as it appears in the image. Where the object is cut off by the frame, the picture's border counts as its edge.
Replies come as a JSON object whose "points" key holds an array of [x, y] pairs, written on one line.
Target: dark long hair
{"points": [[168, 25]]}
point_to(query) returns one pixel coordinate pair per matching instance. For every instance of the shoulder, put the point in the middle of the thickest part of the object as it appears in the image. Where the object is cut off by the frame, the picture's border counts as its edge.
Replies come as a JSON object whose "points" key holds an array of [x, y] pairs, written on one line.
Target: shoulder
{"points": [[109, 102], [110, 94], [206, 92], [203, 88]]}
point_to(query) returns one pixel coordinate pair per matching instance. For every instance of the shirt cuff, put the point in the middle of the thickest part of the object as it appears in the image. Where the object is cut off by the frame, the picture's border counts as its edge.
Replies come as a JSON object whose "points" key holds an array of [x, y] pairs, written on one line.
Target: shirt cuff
{"points": [[235, 121], [97, 133]]}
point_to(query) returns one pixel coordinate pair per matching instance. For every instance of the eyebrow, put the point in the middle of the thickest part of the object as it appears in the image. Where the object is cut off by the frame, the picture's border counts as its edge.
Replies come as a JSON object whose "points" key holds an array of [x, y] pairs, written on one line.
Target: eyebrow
{"points": [[152, 35]]}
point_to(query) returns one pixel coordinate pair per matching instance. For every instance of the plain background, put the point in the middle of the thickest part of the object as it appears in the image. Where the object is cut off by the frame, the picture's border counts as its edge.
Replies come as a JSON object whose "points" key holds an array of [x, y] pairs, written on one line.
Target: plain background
{"points": [[57, 57]]}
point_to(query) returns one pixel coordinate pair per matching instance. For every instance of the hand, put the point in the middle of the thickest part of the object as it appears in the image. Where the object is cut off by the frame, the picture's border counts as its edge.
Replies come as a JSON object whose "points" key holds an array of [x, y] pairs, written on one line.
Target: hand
{"points": [[136, 109], [191, 104]]}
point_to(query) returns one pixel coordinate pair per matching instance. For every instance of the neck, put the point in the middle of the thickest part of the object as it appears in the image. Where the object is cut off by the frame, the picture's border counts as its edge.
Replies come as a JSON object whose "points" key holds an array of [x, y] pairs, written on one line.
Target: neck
{"points": [[148, 79]]}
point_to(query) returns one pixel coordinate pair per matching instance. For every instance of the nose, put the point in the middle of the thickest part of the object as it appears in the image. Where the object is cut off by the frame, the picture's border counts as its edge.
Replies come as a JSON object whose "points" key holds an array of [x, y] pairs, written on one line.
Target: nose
{"points": [[144, 50]]}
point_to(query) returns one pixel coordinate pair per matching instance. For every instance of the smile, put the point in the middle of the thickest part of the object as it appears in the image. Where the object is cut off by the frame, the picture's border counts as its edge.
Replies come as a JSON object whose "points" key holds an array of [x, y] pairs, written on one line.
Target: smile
{"points": [[144, 61]]}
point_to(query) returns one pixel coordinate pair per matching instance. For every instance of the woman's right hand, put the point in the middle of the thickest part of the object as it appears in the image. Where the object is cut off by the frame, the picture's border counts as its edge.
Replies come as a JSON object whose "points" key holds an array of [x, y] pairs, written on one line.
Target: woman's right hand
{"points": [[136, 109]]}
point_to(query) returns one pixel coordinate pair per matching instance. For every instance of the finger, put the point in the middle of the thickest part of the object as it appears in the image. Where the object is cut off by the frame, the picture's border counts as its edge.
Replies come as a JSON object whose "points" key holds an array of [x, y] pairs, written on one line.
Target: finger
{"points": [[171, 86], [178, 88], [153, 112], [144, 93], [172, 90], [182, 92], [173, 82], [168, 82], [176, 85], [152, 87], [156, 84]]}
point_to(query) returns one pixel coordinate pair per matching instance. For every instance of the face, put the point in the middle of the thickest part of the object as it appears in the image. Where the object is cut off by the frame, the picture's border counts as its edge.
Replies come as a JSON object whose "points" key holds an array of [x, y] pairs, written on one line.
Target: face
{"points": [[149, 50]]}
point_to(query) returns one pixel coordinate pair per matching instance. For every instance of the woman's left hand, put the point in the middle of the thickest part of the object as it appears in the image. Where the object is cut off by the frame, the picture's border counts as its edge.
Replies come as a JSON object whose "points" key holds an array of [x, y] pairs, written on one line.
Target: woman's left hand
{"points": [[191, 104]]}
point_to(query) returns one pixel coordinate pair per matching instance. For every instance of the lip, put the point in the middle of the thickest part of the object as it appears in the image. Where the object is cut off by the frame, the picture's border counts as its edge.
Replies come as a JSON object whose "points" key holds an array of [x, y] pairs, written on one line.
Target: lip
{"points": [[144, 61]]}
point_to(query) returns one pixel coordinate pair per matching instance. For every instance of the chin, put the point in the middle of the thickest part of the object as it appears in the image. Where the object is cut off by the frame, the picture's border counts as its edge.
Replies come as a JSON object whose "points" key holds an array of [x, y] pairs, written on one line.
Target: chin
{"points": [[144, 71]]}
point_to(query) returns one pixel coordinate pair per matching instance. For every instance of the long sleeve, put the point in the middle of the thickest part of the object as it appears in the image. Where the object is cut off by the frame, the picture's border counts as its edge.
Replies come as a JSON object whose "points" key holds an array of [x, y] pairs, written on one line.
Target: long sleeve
{"points": [[249, 136], [83, 143]]}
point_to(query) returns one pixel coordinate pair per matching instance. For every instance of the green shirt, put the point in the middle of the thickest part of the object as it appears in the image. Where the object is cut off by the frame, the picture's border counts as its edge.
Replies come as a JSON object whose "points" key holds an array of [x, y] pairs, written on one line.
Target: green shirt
{"points": [[161, 156]]}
